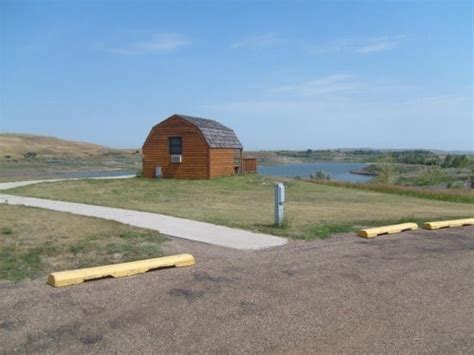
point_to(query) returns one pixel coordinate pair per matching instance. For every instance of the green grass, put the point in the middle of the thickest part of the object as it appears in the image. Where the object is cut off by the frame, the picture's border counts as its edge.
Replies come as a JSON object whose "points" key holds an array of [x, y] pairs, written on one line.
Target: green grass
{"points": [[6, 230], [324, 231], [460, 196], [312, 210], [34, 242], [16, 265]]}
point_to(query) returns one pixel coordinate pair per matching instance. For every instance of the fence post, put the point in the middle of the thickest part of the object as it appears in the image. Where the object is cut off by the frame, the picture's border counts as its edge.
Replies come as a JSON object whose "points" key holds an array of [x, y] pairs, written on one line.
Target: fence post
{"points": [[279, 201]]}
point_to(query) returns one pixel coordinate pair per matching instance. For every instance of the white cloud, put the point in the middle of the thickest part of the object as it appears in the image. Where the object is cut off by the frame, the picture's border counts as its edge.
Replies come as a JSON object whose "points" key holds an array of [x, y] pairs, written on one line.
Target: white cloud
{"points": [[332, 47], [161, 42], [267, 40], [380, 44], [331, 84], [361, 46]]}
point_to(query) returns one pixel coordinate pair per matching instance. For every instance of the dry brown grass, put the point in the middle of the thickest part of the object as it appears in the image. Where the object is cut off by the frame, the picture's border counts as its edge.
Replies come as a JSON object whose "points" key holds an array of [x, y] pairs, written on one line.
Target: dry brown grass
{"points": [[16, 145], [35, 241], [29, 157]]}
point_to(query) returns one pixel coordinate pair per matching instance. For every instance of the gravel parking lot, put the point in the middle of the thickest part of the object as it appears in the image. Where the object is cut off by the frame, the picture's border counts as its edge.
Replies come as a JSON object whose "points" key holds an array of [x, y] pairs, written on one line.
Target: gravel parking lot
{"points": [[411, 292]]}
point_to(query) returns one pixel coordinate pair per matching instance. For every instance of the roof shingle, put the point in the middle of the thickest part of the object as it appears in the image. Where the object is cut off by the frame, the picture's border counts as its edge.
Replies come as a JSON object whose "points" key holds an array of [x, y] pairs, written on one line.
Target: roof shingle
{"points": [[216, 134]]}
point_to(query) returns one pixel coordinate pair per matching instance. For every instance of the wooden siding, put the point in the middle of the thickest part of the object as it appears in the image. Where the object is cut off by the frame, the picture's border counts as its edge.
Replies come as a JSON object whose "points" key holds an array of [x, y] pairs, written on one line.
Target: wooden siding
{"points": [[221, 162], [250, 165], [195, 152]]}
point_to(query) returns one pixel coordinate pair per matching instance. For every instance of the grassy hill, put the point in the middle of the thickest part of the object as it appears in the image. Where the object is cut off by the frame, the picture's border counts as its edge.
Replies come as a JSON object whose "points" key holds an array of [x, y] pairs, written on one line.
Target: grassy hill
{"points": [[26, 156], [20, 146]]}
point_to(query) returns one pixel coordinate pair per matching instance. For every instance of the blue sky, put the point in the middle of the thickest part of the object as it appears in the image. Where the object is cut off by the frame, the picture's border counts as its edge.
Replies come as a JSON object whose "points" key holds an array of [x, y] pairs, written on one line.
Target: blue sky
{"points": [[284, 75]]}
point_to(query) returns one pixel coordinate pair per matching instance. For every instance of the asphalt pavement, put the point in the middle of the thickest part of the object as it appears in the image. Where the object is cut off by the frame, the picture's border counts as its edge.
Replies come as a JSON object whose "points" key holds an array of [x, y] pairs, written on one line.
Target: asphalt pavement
{"points": [[409, 292]]}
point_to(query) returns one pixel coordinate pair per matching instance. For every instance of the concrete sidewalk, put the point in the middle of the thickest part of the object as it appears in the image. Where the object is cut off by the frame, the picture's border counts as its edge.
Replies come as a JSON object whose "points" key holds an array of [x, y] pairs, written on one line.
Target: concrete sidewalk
{"points": [[13, 184], [172, 226]]}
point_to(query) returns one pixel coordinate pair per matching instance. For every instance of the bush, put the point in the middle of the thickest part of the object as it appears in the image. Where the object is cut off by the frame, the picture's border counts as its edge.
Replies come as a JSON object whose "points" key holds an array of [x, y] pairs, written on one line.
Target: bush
{"points": [[386, 169], [456, 161], [432, 176], [30, 155], [320, 175], [6, 230]]}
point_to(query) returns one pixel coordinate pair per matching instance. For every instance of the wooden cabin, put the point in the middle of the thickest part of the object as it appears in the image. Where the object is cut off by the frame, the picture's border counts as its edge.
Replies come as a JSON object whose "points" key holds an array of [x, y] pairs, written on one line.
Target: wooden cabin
{"points": [[185, 147]]}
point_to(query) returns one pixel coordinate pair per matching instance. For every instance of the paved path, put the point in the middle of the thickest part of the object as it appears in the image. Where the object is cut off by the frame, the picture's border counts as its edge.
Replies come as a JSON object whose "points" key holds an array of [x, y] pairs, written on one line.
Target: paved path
{"points": [[172, 226], [13, 184]]}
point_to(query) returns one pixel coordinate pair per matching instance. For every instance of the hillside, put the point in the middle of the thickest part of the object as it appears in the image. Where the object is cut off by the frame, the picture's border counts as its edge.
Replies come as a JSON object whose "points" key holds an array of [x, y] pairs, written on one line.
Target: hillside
{"points": [[19, 146], [366, 155], [27, 156]]}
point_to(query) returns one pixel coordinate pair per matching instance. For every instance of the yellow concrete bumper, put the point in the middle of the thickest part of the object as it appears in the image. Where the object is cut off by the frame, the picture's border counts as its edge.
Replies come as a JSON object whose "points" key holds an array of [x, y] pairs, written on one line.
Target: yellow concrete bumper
{"points": [[397, 228], [449, 224], [73, 277]]}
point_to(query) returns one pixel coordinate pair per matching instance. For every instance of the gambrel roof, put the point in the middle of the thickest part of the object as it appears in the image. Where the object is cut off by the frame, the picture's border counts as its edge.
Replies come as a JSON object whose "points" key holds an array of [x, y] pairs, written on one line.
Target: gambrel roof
{"points": [[216, 134]]}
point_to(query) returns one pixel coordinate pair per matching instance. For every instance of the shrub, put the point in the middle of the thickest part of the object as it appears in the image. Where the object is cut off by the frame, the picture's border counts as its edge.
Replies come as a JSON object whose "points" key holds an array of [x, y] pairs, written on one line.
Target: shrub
{"points": [[431, 176], [455, 161], [6, 230], [30, 155], [386, 169], [320, 175]]}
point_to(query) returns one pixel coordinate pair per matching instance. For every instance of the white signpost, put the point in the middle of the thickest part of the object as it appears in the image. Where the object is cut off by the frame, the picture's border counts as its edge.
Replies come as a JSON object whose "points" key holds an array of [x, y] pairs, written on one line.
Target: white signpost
{"points": [[279, 203]]}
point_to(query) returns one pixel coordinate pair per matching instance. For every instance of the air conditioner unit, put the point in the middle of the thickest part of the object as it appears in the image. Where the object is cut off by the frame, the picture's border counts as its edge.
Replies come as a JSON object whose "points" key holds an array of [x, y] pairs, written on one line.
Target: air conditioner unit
{"points": [[176, 158]]}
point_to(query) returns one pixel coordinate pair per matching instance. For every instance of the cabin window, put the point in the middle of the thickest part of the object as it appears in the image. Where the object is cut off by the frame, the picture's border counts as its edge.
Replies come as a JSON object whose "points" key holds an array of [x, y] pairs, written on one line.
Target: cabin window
{"points": [[176, 145]]}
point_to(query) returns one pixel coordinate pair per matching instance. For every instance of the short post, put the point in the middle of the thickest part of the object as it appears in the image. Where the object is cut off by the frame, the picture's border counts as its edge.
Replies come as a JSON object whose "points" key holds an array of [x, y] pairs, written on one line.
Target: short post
{"points": [[279, 201], [158, 172]]}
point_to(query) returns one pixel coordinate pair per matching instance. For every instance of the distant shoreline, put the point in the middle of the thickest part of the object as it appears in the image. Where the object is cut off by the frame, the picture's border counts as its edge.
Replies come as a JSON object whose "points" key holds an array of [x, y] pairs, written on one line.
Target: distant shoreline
{"points": [[360, 172]]}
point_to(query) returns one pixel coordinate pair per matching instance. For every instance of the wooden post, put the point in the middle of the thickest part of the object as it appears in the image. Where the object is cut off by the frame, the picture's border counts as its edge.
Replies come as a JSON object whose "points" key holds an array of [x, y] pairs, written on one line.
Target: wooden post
{"points": [[241, 161]]}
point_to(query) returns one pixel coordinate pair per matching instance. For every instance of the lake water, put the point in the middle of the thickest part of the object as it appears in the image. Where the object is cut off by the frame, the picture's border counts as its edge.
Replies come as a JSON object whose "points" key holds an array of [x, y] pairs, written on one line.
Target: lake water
{"points": [[91, 174], [337, 171]]}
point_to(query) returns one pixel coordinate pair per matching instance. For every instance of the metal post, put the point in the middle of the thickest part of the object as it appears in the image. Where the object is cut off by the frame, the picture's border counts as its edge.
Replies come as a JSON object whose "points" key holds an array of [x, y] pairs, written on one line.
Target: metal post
{"points": [[158, 172], [279, 201]]}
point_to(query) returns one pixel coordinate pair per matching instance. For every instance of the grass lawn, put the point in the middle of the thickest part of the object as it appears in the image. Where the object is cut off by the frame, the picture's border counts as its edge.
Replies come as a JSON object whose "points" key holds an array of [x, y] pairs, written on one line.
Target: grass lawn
{"points": [[34, 242], [246, 202], [451, 195]]}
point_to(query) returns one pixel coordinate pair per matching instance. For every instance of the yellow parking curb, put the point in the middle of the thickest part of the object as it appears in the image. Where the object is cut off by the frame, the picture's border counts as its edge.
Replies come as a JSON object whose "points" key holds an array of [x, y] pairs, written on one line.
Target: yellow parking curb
{"points": [[449, 224], [396, 228], [74, 277]]}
